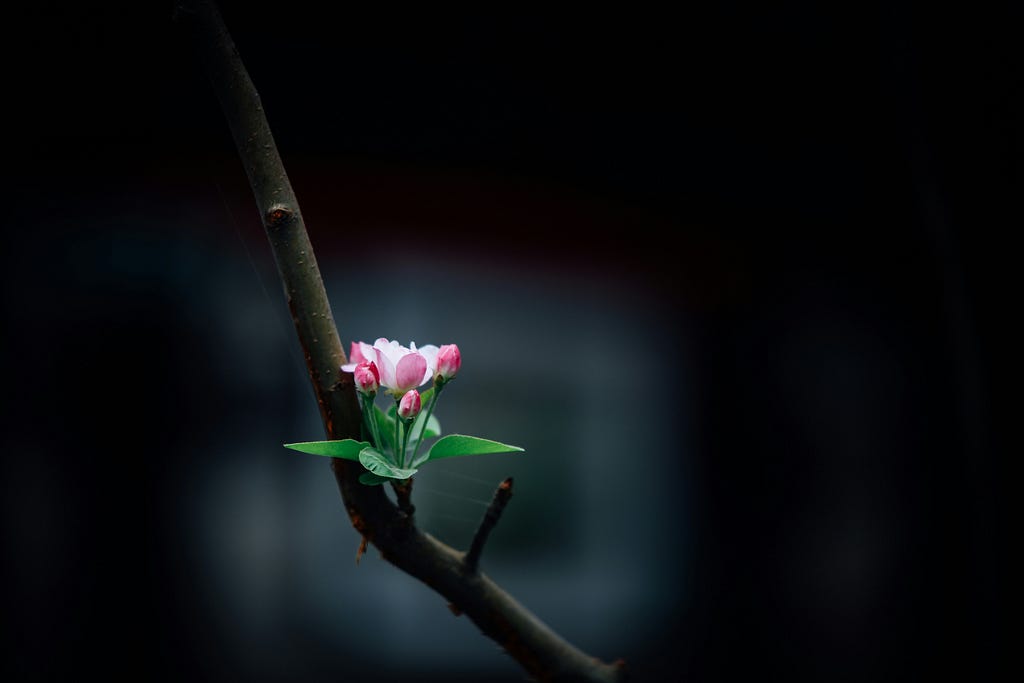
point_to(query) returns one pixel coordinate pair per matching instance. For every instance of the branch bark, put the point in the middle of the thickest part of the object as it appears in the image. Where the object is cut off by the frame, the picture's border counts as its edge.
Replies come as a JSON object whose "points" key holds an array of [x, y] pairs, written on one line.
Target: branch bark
{"points": [[543, 653]]}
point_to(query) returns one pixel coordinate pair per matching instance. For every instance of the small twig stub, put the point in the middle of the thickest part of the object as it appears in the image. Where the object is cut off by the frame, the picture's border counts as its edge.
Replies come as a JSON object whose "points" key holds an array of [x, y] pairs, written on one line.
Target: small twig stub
{"points": [[501, 498]]}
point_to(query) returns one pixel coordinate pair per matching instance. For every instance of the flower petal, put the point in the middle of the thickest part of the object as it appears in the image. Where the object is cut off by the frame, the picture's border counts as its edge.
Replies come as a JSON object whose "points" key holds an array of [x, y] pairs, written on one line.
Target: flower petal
{"points": [[356, 355], [392, 349], [386, 369], [367, 351], [430, 353], [410, 371]]}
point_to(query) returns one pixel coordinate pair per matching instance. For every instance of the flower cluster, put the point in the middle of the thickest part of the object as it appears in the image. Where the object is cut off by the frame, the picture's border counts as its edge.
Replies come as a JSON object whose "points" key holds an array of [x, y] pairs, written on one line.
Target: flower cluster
{"points": [[400, 370], [390, 441]]}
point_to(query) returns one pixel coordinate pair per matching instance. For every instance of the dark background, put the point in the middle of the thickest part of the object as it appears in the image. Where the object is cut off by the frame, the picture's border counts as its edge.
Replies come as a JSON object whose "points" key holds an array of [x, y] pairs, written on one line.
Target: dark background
{"points": [[736, 278]]}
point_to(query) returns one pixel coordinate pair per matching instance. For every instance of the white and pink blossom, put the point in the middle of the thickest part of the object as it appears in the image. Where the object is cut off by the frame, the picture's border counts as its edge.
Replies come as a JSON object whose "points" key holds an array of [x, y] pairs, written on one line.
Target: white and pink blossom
{"points": [[403, 368]]}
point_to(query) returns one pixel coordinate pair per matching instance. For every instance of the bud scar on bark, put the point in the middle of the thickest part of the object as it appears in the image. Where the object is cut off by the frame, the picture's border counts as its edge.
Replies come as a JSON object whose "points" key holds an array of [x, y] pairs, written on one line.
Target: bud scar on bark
{"points": [[278, 215]]}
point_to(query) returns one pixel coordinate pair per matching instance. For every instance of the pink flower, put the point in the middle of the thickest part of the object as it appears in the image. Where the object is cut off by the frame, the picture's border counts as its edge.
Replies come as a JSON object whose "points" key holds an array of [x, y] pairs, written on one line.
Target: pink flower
{"points": [[409, 406], [448, 361], [367, 377], [401, 369]]}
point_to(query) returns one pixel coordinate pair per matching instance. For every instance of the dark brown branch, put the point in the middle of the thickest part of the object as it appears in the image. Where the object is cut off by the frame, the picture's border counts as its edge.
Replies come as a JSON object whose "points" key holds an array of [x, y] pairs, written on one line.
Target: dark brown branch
{"points": [[403, 495], [502, 496], [542, 652]]}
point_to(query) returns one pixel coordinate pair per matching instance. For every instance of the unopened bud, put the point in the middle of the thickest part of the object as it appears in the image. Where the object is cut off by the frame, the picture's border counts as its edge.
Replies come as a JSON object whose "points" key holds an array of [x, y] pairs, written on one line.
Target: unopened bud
{"points": [[409, 406], [449, 360], [367, 377]]}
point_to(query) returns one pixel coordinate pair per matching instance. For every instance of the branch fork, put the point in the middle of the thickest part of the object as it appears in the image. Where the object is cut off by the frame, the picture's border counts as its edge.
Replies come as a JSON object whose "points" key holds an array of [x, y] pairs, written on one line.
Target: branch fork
{"points": [[544, 654]]}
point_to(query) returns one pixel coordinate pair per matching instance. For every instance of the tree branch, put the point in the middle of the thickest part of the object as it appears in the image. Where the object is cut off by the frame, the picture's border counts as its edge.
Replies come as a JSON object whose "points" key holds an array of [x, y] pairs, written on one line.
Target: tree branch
{"points": [[403, 495], [542, 652], [502, 496]]}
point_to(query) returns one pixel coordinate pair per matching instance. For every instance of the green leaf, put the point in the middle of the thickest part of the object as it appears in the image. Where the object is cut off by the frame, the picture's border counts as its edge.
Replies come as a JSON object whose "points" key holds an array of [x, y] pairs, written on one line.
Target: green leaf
{"points": [[345, 448], [371, 479], [458, 445], [376, 462]]}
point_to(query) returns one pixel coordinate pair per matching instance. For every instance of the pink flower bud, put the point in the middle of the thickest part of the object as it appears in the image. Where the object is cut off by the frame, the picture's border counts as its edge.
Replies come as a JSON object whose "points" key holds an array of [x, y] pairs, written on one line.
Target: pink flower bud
{"points": [[409, 406], [367, 377], [449, 360]]}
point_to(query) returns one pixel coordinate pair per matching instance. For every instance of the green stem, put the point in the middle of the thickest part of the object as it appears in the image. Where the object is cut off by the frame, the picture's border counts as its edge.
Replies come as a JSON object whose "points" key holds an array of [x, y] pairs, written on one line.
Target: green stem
{"points": [[426, 419], [399, 450], [405, 439], [370, 417]]}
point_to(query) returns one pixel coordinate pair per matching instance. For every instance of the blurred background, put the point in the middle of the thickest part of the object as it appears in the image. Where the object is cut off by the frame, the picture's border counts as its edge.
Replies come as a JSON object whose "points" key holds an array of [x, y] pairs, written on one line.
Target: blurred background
{"points": [[735, 279]]}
